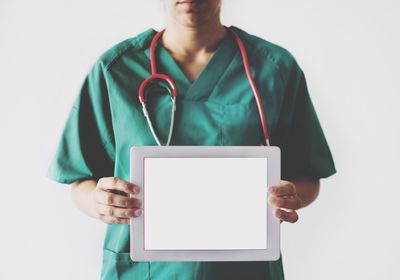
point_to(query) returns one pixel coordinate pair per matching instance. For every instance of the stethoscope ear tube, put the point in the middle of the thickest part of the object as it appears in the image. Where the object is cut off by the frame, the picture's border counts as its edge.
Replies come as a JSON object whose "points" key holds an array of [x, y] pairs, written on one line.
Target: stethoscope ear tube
{"points": [[173, 93], [172, 90], [171, 125], [252, 84]]}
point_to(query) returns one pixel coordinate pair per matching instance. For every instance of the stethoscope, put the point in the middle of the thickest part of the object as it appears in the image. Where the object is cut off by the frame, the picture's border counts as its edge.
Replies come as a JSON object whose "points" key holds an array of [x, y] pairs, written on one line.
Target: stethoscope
{"points": [[172, 91]]}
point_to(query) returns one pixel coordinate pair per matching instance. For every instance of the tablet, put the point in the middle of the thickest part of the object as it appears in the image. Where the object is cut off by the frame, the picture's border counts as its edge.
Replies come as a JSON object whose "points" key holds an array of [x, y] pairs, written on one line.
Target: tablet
{"points": [[205, 203]]}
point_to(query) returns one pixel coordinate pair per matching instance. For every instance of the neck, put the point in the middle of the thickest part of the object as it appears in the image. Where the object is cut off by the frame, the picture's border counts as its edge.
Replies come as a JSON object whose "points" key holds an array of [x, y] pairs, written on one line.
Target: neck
{"points": [[183, 40]]}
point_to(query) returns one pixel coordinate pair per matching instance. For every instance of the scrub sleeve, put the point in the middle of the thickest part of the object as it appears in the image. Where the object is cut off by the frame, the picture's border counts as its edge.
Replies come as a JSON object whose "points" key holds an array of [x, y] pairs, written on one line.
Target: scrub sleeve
{"points": [[86, 149], [304, 150]]}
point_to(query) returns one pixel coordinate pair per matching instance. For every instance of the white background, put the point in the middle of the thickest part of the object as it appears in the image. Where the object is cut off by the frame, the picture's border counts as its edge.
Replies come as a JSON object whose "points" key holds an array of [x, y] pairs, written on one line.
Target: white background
{"points": [[349, 51]]}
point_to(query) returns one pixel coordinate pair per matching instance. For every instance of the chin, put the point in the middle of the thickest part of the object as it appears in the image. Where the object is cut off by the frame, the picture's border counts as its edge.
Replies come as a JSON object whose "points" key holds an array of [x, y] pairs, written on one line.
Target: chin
{"points": [[193, 21]]}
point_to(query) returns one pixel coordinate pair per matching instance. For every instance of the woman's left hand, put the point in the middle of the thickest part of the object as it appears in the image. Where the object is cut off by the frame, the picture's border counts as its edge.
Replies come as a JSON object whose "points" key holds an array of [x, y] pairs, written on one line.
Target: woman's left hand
{"points": [[284, 197]]}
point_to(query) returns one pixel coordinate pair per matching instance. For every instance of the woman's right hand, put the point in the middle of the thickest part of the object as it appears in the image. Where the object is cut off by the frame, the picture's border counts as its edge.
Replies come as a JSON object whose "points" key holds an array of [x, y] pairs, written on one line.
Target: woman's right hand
{"points": [[113, 201]]}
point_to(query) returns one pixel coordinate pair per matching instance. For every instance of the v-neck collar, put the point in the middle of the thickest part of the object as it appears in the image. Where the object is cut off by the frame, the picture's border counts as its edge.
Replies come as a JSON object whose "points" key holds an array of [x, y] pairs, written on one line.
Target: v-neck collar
{"points": [[209, 76]]}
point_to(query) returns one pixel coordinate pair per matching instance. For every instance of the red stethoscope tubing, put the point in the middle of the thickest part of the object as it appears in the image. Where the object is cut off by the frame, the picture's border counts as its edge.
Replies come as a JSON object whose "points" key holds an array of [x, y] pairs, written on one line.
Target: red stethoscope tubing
{"points": [[157, 76], [252, 84]]}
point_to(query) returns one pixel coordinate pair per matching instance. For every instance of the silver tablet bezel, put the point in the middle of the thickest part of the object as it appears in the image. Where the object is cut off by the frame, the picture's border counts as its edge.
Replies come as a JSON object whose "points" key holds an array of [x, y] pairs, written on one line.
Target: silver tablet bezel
{"points": [[137, 155]]}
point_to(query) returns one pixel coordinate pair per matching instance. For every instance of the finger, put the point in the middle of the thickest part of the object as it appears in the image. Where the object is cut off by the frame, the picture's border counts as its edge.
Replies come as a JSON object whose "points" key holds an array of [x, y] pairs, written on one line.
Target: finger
{"points": [[287, 216], [116, 212], [291, 202], [284, 189], [112, 199], [113, 220], [115, 183]]}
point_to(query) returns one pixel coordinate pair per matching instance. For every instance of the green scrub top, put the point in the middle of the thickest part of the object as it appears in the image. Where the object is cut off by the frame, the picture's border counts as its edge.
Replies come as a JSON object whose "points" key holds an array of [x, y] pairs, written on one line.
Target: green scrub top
{"points": [[218, 108]]}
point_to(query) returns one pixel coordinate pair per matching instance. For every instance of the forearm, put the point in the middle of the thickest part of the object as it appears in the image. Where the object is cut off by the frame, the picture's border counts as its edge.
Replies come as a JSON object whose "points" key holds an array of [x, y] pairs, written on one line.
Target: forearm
{"points": [[82, 195], [307, 190]]}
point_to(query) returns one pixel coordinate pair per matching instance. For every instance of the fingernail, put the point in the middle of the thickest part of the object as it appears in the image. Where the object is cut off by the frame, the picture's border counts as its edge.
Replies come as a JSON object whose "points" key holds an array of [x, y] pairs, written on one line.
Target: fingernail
{"points": [[278, 214], [136, 190], [138, 212]]}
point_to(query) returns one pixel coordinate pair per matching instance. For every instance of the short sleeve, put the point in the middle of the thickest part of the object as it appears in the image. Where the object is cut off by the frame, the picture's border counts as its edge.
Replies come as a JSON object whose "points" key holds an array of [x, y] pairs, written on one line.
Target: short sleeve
{"points": [[304, 148], [87, 148]]}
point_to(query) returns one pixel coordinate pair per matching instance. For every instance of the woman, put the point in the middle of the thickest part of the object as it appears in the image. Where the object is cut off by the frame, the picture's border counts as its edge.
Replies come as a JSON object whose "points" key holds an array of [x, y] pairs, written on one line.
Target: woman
{"points": [[216, 107]]}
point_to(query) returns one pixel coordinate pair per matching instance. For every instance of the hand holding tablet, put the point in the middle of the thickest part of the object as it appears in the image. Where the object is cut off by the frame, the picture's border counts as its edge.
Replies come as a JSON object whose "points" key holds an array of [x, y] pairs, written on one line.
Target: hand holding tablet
{"points": [[205, 203]]}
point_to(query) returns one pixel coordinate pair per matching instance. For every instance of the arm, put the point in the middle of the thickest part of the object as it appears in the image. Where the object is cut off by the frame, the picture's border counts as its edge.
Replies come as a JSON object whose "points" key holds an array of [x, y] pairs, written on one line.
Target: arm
{"points": [[82, 196], [107, 199], [288, 197], [307, 190]]}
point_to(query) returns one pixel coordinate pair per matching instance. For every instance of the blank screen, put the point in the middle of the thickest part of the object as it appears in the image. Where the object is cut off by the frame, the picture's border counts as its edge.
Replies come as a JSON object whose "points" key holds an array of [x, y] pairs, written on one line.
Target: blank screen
{"points": [[205, 203]]}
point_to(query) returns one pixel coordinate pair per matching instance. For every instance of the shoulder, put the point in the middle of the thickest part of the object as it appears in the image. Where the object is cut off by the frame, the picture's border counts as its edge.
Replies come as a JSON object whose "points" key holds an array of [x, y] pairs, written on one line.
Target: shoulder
{"points": [[266, 51], [136, 45]]}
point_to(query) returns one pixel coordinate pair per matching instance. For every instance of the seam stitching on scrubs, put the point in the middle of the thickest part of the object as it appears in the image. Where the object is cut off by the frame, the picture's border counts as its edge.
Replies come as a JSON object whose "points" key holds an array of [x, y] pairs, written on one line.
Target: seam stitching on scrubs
{"points": [[119, 54], [130, 43], [109, 137], [267, 52], [106, 142], [149, 270], [253, 42], [222, 125]]}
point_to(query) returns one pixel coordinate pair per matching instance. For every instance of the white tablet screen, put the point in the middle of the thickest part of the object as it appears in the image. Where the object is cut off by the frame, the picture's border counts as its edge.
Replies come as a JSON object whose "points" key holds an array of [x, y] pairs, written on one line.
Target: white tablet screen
{"points": [[205, 203]]}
